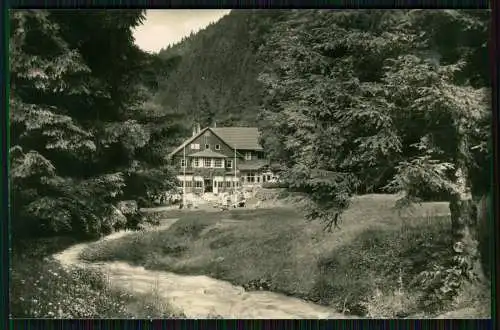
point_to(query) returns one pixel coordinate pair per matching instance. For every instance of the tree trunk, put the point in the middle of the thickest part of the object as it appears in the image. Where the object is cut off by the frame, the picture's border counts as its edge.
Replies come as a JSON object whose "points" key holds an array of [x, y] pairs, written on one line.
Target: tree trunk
{"points": [[484, 232], [463, 224]]}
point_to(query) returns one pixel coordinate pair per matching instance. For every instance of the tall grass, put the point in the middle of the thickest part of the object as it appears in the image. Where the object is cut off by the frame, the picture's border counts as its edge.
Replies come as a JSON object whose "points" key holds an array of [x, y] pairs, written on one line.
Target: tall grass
{"points": [[375, 274], [41, 288]]}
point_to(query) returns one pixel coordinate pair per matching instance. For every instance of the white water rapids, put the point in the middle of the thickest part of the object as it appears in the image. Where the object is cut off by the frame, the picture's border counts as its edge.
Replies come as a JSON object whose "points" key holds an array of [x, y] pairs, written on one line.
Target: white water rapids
{"points": [[199, 296]]}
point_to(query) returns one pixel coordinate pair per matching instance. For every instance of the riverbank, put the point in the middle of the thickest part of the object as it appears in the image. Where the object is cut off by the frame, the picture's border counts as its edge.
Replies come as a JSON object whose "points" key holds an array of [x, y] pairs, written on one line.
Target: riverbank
{"points": [[193, 296], [42, 287], [368, 268]]}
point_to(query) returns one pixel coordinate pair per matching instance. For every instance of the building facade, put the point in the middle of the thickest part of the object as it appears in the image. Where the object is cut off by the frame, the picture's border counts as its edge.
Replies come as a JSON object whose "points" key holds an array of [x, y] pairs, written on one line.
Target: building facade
{"points": [[221, 159]]}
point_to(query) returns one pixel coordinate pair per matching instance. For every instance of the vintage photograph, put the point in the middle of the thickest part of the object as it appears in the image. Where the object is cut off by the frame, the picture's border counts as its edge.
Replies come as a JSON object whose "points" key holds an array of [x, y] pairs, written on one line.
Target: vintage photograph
{"points": [[250, 164]]}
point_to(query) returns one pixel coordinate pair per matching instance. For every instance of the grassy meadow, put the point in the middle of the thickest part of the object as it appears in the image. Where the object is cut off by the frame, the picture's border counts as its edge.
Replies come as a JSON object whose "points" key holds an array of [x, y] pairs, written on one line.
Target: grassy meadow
{"points": [[368, 268]]}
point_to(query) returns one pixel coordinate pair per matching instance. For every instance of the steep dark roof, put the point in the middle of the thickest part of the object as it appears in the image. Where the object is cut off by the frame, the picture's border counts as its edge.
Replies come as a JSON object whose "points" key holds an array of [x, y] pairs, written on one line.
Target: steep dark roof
{"points": [[185, 143], [239, 137], [207, 153], [235, 137]]}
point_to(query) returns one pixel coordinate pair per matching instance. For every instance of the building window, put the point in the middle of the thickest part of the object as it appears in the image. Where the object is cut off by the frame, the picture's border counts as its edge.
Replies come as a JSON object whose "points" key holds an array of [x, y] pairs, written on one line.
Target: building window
{"points": [[207, 146], [189, 184], [257, 178], [183, 162], [207, 162], [250, 177], [229, 163], [219, 184], [196, 162], [263, 178], [195, 146], [248, 155], [228, 184], [198, 184], [217, 147], [218, 163]]}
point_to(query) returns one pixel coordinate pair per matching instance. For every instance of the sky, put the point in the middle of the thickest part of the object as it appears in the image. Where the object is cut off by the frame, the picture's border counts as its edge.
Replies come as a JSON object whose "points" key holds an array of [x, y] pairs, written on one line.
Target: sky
{"points": [[164, 27]]}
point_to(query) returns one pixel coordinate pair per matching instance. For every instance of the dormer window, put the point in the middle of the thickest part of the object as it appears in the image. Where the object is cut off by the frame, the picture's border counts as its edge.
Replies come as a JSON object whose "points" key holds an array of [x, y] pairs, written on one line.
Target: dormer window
{"points": [[248, 155], [207, 146], [217, 147], [183, 162]]}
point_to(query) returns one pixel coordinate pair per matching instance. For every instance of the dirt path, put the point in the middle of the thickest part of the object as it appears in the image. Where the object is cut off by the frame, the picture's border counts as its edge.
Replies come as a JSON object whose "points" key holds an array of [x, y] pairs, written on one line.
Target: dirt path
{"points": [[199, 296]]}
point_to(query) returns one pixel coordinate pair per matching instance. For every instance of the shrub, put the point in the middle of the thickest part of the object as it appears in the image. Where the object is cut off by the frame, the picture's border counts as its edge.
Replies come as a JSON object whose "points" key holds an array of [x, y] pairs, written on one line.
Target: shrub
{"points": [[189, 227], [443, 283], [351, 275], [134, 220], [393, 304], [142, 181], [138, 220], [273, 185], [153, 218]]}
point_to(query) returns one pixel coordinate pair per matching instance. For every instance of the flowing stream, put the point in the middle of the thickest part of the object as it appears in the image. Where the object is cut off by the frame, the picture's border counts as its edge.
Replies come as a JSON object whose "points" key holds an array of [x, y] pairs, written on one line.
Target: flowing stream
{"points": [[199, 296]]}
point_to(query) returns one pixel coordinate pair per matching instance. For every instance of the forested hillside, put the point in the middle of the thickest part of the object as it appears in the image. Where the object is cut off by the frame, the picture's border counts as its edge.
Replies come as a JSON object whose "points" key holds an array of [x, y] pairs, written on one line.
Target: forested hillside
{"points": [[216, 79]]}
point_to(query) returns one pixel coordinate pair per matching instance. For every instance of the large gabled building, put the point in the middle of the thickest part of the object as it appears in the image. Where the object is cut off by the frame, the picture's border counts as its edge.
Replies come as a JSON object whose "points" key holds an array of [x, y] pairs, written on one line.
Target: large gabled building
{"points": [[220, 159]]}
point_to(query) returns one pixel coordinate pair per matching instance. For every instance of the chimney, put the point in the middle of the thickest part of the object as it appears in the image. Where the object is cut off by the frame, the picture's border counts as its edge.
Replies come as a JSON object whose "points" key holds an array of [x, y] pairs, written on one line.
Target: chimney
{"points": [[215, 124], [196, 129]]}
